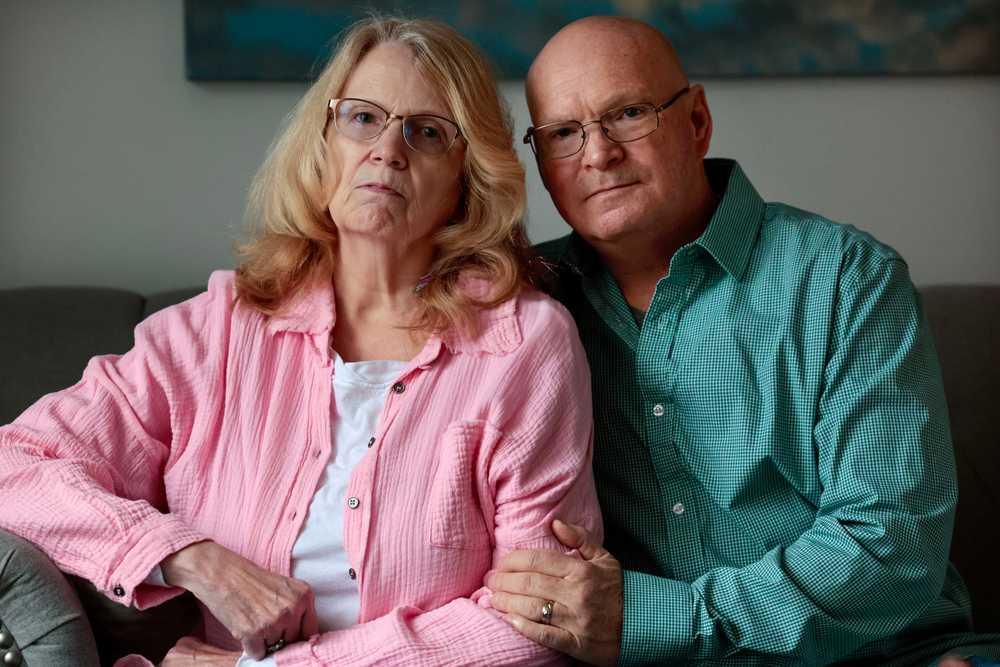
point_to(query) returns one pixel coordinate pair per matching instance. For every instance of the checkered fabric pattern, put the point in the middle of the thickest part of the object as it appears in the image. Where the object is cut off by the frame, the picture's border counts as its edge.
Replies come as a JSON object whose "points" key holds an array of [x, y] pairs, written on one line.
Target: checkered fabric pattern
{"points": [[772, 446]]}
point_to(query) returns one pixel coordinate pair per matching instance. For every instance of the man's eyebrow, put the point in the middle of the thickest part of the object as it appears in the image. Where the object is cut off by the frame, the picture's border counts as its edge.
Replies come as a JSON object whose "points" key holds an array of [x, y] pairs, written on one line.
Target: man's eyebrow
{"points": [[616, 101]]}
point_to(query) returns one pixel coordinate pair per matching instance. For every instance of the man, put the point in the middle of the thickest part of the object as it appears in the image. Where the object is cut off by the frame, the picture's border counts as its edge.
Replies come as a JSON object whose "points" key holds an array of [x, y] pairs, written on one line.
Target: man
{"points": [[772, 449]]}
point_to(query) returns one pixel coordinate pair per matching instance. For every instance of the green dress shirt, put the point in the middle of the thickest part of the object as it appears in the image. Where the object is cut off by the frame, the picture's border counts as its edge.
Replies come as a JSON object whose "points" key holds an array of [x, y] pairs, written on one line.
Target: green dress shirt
{"points": [[772, 454]]}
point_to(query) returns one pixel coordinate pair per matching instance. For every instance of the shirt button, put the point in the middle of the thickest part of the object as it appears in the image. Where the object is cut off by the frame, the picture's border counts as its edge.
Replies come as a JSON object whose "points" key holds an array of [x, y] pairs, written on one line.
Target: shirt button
{"points": [[353, 503], [678, 508], [119, 591], [352, 574], [399, 387], [371, 441], [292, 515], [658, 410], [316, 454]]}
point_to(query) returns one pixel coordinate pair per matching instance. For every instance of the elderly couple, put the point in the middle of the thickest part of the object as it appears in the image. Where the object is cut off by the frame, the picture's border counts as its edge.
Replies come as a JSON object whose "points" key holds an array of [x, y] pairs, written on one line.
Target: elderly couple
{"points": [[376, 442]]}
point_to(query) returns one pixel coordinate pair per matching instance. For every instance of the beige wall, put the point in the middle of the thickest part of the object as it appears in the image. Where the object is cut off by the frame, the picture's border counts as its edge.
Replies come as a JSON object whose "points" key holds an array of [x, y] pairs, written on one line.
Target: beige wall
{"points": [[115, 170]]}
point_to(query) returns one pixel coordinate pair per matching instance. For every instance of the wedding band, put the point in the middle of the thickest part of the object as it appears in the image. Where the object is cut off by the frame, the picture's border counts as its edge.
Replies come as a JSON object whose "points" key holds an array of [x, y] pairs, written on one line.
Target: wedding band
{"points": [[275, 647], [547, 611]]}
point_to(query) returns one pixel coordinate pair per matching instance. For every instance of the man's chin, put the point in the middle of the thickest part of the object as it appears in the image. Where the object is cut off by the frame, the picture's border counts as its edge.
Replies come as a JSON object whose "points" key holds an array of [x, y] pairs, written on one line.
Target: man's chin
{"points": [[607, 227]]}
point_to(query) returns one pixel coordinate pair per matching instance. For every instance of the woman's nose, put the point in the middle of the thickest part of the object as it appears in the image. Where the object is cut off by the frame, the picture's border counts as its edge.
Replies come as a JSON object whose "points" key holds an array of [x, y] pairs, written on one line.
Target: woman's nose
{"points": [[390, 147]]}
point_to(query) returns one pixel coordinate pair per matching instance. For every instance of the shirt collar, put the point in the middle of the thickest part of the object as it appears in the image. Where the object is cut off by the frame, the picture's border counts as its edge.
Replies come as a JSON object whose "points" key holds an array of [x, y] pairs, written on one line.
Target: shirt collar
{"points": [[732, 231], [312, 310], [728, 237]]}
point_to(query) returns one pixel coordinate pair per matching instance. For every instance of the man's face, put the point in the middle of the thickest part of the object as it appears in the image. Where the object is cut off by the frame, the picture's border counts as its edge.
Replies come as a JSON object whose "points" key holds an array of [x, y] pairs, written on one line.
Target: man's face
{"points": [[609, 190]]}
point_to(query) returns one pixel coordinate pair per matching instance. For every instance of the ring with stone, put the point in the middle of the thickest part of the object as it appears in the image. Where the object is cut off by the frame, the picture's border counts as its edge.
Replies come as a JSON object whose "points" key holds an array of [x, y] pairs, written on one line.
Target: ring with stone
{"points": [[547, 611], [276, 646]]}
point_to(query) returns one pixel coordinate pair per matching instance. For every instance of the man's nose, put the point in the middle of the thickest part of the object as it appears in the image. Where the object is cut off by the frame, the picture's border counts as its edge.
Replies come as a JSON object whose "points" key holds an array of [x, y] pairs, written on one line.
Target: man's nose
{"points": [[599, 152]]}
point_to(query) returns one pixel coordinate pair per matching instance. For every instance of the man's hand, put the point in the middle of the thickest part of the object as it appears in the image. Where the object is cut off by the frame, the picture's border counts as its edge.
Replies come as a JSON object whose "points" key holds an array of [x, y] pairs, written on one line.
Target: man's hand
{"points": [[191, 651], [586, 620], [258, 607]]}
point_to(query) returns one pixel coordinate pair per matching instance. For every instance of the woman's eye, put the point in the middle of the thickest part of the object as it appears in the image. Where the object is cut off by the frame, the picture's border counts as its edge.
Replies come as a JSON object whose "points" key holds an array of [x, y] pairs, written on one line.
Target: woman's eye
{"points": [[429, 132], [363, 118]]}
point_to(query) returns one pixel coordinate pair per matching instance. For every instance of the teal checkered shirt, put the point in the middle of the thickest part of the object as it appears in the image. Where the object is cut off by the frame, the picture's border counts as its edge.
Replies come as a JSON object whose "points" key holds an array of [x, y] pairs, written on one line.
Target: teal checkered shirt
{"points": [[772, 450]]}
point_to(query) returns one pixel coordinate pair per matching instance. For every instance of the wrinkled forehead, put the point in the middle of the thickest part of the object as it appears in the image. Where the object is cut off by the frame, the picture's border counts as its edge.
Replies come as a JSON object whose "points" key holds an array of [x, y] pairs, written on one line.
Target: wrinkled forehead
{"points": [[392, 75], [571, 86]]}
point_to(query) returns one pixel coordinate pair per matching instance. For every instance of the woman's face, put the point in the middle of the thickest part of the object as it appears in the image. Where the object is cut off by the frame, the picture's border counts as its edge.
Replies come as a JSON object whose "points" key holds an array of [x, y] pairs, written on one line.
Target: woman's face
{"points": [[384, 188]]}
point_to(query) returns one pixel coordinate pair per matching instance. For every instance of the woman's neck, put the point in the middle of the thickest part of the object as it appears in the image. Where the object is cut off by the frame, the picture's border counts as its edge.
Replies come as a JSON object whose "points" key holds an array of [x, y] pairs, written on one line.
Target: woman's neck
{"points": [[375, 298]]}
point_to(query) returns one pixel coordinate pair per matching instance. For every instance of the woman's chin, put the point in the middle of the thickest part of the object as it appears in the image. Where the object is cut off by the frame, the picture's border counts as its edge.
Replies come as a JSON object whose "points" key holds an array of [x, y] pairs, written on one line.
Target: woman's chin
{"points": [[368, 223]]}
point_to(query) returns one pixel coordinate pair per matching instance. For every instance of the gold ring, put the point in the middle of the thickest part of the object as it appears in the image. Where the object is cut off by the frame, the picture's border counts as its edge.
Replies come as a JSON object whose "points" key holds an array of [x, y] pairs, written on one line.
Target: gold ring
{"points": [[547, 611]]}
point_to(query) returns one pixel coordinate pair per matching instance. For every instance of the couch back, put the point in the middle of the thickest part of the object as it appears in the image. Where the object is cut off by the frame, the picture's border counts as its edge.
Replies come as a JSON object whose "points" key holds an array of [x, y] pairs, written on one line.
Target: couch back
{"points": [[48, 334]]}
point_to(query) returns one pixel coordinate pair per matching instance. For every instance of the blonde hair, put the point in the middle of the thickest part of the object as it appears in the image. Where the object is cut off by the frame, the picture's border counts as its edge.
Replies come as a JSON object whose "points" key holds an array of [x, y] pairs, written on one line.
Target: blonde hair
{"points": [[292, 236]]}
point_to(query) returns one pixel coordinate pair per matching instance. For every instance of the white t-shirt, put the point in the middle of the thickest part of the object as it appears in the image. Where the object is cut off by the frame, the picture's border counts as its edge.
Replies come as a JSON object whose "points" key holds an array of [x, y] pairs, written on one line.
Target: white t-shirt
{"points": [[318, 555]]}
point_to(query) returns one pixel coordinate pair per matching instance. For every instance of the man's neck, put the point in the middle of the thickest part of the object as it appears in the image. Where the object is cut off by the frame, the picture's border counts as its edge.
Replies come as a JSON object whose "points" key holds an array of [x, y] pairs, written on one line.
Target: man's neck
{"points": [[637, 264]]}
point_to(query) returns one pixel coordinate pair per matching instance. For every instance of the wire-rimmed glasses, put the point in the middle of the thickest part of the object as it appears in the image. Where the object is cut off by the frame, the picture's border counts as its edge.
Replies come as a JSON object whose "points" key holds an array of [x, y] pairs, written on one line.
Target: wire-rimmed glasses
{"points": [[363, 120], [561, 139]]}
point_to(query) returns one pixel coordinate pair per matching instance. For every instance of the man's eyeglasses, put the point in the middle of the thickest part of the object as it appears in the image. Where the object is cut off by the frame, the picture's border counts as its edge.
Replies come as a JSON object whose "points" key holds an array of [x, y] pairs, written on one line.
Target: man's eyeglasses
{"points": [[362, 120], [561, 139]]}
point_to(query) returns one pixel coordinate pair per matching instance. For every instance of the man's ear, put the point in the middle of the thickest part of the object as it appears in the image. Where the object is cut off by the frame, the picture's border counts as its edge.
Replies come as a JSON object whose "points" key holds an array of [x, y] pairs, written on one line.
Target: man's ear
{"points": [[701, 120]]}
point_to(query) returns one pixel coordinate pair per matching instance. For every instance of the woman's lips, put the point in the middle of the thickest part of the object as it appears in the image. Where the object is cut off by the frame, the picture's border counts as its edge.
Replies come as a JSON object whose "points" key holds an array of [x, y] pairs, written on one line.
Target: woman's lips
{"points": [[380, 188]]}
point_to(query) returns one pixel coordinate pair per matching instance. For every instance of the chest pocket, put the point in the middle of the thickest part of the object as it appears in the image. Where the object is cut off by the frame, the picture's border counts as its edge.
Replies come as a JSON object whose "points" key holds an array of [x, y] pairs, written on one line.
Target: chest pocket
{"points": [[461, 508]]}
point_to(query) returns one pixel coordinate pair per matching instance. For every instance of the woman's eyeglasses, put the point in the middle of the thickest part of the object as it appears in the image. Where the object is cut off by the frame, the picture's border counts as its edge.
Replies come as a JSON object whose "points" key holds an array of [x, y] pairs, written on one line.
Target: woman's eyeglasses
{"points": [[362, 120]]}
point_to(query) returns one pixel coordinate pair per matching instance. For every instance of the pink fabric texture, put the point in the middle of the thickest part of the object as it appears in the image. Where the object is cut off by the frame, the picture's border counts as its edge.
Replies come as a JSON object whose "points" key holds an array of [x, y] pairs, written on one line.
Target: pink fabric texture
{"points": [[217, 425]]}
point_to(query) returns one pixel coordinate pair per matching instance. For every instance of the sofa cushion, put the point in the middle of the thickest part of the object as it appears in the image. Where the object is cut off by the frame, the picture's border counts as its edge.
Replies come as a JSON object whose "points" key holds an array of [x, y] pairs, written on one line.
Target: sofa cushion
{"points": [[965, 321], [47, 335]]}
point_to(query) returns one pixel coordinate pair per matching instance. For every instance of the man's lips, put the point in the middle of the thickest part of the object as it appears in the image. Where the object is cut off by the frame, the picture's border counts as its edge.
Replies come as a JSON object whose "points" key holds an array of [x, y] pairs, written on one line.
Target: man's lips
{"points": [[610, 188], [374, 186]]}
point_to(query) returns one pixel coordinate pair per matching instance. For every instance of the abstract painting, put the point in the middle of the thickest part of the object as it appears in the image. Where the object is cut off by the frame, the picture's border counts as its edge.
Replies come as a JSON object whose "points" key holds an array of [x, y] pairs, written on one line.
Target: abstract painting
{"points": [[291, 39]]}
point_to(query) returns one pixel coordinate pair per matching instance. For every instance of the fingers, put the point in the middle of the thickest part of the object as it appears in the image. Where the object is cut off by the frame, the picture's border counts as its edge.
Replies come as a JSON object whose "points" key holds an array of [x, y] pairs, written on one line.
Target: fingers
{"points": [[310, 624], [551, 563], [547, 635], [254, 647], [528, 607], [578, 538], [530, 584]]}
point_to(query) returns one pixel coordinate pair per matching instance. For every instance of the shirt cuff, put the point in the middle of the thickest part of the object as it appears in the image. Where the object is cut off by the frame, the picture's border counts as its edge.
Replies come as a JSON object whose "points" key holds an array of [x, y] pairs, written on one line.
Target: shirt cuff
{"points": [[155, 577], [658, 622], [155, 539]]}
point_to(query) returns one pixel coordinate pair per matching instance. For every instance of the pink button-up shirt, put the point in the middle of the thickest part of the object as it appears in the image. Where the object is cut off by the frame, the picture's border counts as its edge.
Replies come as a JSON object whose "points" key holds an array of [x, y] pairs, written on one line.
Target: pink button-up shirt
{"points": [[217, 425]]}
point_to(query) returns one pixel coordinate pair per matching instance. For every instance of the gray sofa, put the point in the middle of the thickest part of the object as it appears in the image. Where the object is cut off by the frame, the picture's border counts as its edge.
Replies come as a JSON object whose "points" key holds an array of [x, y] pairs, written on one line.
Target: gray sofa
{"points": [[48, 334]]}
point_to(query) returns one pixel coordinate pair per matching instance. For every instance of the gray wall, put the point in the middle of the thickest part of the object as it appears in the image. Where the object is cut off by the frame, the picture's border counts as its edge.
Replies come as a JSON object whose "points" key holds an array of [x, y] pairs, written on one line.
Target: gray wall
{"points": [[116, 171]]}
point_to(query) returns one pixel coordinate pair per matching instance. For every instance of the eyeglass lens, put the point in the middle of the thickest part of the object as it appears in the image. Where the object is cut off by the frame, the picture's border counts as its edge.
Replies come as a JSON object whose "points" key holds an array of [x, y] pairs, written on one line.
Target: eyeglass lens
{"points": [[362, 121], [621, 125]]}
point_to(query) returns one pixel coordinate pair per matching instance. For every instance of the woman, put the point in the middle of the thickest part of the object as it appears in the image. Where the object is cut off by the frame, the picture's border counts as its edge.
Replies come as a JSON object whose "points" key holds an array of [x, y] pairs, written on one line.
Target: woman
{"points": [[373, 403]]}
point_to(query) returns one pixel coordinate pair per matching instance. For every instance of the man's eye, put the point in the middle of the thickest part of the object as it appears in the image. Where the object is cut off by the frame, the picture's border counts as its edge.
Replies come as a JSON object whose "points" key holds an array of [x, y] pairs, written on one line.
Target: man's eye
{"points": [[560, 133], [632, 113]]}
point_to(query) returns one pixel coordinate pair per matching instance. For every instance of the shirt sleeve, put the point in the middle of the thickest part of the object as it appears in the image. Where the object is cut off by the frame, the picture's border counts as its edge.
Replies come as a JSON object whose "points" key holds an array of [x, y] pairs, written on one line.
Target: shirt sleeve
{"points": [[540, 470], [876, 554], [81, 470]]}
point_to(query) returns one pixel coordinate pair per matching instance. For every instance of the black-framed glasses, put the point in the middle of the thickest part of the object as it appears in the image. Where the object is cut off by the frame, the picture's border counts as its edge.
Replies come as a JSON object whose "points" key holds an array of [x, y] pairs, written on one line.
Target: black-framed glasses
{"points": [[362, 120], [564, 138]]}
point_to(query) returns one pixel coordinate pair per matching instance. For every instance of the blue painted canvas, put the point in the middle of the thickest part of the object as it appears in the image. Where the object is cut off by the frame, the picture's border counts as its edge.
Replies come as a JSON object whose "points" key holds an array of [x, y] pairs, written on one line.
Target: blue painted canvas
{"points": [[291, 40]]}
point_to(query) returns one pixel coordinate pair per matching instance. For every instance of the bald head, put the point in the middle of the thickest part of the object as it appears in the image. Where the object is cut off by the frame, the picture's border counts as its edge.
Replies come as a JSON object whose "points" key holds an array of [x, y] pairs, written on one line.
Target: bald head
{"points": [[613, 45]]}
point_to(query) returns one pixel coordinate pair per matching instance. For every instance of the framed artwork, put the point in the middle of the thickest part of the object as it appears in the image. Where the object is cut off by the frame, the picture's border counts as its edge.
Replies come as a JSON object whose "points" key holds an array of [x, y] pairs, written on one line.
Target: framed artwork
{"points": [[290, 40]]}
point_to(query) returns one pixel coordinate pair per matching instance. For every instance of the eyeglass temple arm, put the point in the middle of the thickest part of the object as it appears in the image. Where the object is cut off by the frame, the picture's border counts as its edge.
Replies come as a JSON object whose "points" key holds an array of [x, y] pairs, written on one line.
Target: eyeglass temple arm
{"points": [[673, 99]]}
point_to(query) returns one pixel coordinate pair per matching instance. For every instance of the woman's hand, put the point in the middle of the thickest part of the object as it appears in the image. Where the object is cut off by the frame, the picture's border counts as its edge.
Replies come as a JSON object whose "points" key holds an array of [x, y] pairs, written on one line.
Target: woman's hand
{"points": [[258, 607], [190, 651]]}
